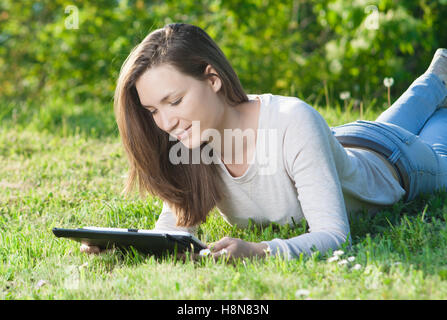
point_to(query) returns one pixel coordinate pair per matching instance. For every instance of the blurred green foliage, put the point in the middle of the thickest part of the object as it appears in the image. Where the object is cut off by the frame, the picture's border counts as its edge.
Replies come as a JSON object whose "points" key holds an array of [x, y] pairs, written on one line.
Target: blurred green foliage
{"points": [[290, 47]]}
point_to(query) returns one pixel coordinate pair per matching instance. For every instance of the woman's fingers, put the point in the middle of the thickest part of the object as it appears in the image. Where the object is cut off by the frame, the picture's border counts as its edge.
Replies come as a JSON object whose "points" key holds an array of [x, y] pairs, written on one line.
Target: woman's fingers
{"points": [[221, 244], [224, 247], [216, 250], [85, 248]]}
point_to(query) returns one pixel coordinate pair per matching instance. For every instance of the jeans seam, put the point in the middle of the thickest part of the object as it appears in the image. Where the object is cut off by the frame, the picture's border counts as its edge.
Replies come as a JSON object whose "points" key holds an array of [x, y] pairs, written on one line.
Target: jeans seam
{"points": [[391, 135], [375, 138], [429, 172], [389, 132]]}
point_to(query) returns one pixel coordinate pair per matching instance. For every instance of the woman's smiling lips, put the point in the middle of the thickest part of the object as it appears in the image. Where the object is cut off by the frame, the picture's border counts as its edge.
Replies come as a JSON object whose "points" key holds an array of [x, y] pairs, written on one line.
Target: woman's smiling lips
{"points": [[185, 133]]}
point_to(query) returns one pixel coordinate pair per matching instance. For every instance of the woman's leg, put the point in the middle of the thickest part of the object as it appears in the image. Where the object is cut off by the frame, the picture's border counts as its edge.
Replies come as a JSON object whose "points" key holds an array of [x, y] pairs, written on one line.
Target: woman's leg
{"points": [[418, 111], [412, 110], [434, 133], [428, 156], [425, 95], [421, 110]]}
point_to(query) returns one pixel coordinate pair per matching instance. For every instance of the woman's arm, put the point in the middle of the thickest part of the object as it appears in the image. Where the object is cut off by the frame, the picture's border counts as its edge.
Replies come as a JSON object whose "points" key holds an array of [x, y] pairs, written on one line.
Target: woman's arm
{"points": [[167, 221], [309, 152]]}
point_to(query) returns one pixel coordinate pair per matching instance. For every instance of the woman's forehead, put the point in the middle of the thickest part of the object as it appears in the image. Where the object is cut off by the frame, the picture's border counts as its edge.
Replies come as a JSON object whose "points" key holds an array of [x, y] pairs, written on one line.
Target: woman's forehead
{"points": [[161, 74], [158, 82]]}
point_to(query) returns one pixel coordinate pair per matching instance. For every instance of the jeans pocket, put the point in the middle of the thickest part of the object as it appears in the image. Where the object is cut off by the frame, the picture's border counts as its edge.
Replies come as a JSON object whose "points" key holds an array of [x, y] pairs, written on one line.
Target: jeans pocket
{"points": [[392, 131]]}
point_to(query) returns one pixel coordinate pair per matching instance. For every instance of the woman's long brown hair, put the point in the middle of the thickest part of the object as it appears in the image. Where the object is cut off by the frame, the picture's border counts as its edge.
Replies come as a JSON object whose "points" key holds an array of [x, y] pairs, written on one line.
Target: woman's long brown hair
{"points": [[191, 190]]}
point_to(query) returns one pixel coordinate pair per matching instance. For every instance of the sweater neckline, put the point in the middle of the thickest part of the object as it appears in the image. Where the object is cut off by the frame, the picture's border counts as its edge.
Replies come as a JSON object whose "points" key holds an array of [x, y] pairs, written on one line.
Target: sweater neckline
{"points": [[252, 168]]}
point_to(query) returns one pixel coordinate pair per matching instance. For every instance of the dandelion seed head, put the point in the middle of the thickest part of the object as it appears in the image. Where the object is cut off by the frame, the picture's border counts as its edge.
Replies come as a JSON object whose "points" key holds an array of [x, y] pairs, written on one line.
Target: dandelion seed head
{"points": [[388, 82], [345, 95]]}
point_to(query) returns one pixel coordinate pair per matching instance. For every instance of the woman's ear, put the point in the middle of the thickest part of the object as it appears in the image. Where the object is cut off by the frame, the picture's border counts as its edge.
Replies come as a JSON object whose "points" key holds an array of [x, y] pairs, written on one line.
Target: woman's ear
{"points": [[214, 79]]}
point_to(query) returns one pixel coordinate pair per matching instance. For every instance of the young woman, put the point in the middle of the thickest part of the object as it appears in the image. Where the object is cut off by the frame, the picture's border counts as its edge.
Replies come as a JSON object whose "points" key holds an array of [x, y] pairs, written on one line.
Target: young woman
{"points": [[178, 93]]}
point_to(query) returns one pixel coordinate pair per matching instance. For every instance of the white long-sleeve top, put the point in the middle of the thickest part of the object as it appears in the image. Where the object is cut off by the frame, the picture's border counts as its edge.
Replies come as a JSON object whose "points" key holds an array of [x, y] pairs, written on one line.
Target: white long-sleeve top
{"points": [[301, 171]]}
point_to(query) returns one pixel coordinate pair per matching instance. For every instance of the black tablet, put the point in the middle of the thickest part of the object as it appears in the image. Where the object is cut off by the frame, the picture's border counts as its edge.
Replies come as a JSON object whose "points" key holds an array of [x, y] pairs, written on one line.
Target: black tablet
{"points": [[145, 241]]}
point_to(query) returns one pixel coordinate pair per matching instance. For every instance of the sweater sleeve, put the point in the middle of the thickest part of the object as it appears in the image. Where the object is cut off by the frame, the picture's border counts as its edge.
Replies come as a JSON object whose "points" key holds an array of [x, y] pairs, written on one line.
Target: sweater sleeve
{"points": [[310, 161], [167, 222]]}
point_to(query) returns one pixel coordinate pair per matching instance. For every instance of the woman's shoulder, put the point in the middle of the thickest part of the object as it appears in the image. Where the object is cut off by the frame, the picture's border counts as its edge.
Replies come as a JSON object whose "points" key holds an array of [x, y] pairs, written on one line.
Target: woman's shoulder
{"points": [[290, 110]]}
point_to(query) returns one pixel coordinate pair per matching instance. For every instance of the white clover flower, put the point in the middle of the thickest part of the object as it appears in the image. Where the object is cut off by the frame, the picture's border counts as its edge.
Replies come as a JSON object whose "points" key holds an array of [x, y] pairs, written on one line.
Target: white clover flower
{"points": [[388, 82], [223, 251], [343, 262], [332, 259], [267, 251], [345, 95], [302, 292], [350, 259], [357, 267], [204, 252], [338, 252], [41, 283]]}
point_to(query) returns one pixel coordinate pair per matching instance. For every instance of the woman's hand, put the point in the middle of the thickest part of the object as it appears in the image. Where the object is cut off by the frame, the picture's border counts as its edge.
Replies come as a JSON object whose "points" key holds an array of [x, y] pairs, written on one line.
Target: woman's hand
{"points": [[236, 248], [86, 248]]}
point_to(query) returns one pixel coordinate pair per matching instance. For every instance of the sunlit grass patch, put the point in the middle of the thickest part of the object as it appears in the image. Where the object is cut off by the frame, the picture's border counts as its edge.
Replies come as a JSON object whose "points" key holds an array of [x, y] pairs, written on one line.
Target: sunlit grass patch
{"points": [[55, 178]]}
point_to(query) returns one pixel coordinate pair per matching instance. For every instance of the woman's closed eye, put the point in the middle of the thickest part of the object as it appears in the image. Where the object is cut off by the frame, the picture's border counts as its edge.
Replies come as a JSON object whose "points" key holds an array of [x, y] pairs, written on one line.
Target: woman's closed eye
{"points": [[172, 104], [176, 102]]}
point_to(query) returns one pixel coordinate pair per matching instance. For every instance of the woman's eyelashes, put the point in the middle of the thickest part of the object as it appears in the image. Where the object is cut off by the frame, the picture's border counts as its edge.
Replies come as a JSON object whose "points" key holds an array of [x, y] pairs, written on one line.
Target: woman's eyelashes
{"points": [[176, 102], [172, 104]]}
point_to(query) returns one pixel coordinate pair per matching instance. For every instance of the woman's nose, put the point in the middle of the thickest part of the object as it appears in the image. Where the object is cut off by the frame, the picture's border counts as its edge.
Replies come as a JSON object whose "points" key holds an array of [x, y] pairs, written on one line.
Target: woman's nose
{"points": [[166, 121]]}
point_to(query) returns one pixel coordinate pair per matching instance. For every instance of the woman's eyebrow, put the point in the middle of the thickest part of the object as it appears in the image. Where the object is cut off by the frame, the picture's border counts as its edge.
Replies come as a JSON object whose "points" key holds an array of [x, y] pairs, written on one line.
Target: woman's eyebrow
{"points": [[167, 96]]}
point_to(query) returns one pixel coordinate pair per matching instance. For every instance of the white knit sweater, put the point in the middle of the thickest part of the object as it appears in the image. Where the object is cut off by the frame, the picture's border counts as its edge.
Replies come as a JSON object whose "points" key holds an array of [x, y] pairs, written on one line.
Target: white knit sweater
{"points": [[301, 171]]}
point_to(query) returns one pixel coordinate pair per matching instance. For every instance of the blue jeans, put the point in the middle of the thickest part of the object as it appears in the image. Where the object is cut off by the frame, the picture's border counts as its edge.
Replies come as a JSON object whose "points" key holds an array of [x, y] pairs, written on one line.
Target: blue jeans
{"points": [[411, 134]]}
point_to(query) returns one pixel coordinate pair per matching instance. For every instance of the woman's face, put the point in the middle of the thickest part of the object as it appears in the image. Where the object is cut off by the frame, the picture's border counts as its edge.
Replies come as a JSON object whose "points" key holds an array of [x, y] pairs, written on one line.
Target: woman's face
{"points": [[176, 100]]}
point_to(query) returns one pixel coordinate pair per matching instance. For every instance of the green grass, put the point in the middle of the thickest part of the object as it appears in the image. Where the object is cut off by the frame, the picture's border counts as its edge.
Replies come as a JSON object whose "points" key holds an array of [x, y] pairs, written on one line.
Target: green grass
{"points": [[63, 166]]}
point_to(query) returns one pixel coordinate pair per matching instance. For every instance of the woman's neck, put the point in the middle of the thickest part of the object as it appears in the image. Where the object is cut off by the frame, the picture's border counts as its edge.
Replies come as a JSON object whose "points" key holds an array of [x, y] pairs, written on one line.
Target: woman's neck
{"points": [[239, 120]]}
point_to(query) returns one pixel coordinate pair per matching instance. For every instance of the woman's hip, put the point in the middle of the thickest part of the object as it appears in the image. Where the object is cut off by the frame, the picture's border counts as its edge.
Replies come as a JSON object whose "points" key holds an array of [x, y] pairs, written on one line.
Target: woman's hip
{"points": [[420, 168]]}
